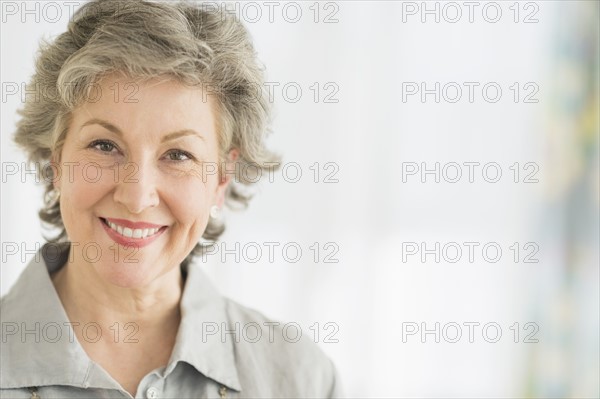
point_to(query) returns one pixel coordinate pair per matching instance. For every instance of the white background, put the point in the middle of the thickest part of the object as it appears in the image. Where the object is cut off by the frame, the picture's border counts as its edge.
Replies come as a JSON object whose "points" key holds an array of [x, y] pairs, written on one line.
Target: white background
{"points": [[369, 133]]}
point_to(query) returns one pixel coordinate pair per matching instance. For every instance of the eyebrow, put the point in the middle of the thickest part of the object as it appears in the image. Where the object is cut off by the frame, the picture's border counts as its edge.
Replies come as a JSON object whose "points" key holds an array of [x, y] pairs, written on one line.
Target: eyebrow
{"points": [[171, 136]]}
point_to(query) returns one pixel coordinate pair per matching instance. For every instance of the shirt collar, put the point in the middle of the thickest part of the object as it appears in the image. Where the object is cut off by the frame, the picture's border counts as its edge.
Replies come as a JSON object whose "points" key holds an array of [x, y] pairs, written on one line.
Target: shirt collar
{"points": [[32, 313], [199, 340]]}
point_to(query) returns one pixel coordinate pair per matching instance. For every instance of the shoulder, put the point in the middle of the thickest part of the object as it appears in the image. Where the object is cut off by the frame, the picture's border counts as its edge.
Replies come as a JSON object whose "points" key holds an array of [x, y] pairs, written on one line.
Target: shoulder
{"points": [[279, 356]]}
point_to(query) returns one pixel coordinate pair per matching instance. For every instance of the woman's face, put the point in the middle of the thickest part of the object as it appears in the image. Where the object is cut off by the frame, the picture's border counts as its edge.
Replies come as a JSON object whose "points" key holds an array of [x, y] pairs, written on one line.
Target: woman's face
{"points": [[138, 178]]}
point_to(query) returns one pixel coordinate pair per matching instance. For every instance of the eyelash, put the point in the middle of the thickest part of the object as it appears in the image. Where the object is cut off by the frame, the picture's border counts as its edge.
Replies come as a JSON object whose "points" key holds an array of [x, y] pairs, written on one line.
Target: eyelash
{"points": [[187, 154], [96, 143]]}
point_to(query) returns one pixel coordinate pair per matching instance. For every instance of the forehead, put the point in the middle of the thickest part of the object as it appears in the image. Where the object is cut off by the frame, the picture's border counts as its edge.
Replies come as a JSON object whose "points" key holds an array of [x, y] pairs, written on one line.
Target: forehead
{"points": [[154, 105]]}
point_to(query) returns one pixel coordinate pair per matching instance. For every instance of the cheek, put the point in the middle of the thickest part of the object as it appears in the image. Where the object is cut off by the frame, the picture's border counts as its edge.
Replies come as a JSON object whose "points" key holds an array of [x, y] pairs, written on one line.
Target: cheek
{"points": [[83, 184], [189, 201], [82, 188]]}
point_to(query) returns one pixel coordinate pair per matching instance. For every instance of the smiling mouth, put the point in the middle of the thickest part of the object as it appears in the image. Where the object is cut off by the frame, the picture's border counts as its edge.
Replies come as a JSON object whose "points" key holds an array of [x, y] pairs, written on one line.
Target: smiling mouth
{"points": [[132, 233]]}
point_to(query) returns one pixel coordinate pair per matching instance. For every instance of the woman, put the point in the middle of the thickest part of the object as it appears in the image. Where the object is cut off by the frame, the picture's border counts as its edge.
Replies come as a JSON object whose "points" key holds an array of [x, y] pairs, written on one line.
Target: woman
{"points": [[147, 110]]}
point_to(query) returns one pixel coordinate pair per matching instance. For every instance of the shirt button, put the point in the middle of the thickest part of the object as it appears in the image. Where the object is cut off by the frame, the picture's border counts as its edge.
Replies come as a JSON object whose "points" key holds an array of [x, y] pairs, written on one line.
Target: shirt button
{"points": [[152, 393]]}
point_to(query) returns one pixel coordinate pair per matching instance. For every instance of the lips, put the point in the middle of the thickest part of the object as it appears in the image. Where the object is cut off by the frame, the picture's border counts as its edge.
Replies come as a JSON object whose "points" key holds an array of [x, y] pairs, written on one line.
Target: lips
{"points": [[132, 234]]}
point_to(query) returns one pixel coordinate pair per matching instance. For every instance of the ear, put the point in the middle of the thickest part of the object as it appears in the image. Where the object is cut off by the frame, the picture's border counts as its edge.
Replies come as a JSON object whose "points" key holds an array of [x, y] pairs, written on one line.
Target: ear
{"points": [[56, 169], [233, 156]]}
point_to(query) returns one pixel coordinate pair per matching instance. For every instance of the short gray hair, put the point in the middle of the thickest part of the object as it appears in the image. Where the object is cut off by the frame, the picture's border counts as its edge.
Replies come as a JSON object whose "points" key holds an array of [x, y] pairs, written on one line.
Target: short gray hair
{"points": [[193, 44]]}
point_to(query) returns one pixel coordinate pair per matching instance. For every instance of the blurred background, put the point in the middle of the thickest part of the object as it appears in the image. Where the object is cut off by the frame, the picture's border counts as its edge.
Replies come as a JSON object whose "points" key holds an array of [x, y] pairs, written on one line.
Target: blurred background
{"points": [[435, 228]]}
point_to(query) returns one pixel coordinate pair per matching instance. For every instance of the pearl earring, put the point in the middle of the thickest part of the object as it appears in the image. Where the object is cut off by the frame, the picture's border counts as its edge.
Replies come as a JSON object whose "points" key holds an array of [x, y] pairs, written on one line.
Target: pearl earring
{"points": [[215, 212]]}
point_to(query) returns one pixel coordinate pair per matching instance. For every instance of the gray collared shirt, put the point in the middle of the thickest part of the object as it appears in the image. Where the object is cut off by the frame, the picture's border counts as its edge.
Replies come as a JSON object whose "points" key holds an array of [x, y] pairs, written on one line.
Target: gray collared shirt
{"points": [[40, 354]]}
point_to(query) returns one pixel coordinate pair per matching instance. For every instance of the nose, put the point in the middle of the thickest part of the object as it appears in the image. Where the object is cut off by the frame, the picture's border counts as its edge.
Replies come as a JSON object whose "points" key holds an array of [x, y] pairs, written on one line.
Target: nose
{"points": [[137, 187]]}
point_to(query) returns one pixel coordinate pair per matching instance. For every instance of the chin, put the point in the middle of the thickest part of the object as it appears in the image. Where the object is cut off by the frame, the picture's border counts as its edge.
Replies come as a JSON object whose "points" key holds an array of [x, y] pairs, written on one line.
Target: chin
{"points": [[125, 275]]}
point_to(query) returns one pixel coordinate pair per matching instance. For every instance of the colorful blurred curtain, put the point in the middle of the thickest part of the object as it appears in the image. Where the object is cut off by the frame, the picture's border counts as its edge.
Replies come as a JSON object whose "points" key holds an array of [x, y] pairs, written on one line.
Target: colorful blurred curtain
{"points": [[567, 300]]}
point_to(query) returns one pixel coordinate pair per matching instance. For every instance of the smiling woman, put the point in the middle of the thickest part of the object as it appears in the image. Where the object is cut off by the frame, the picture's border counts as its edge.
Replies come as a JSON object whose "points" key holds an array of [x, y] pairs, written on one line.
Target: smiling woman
{"points": [[165, 192], [136, 186]]}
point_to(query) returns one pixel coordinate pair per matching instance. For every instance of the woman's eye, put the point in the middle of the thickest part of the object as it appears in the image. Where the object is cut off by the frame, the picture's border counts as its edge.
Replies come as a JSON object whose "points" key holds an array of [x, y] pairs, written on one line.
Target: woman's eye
{"points": [[103, 145], [178, 155]]}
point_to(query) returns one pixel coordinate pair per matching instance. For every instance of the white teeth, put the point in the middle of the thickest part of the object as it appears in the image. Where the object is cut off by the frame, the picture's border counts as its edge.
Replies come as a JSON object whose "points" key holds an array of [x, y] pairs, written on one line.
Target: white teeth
{"points": [[132, 233]]}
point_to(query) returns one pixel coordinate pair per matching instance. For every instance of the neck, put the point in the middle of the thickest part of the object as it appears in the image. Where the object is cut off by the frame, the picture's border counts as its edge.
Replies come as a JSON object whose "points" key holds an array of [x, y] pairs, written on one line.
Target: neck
{"points": [[87, 298]]}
